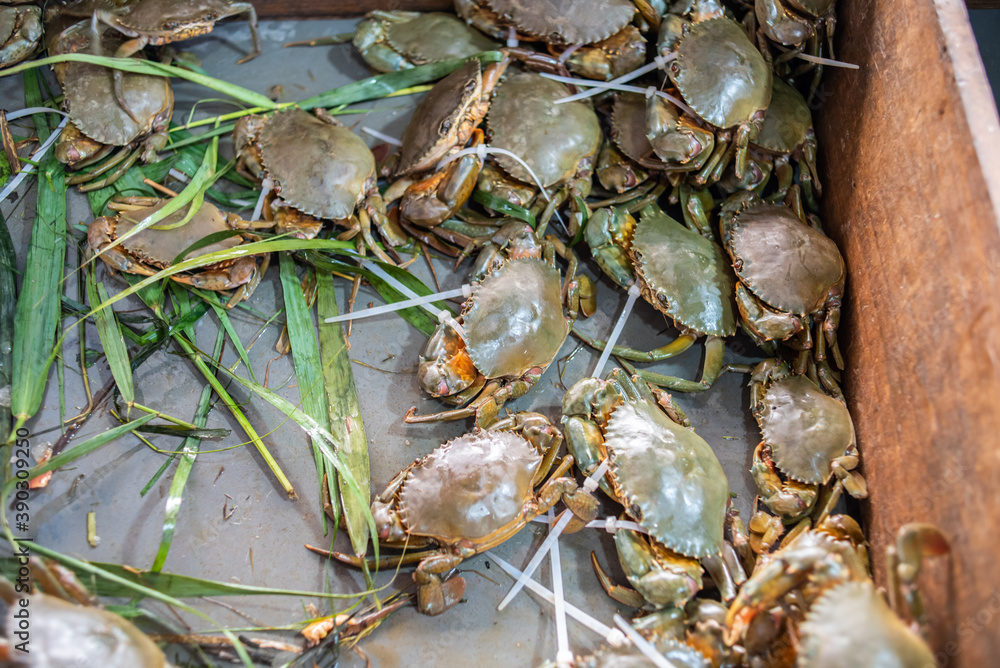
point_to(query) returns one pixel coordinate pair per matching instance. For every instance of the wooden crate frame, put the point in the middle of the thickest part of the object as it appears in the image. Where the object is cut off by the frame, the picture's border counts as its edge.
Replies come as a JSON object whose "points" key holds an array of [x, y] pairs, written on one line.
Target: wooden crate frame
{"points": [[912, 196]]}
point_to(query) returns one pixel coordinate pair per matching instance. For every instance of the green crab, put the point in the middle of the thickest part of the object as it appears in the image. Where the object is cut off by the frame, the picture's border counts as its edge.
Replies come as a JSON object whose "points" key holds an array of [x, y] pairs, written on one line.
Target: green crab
{"points": [[724, 79], [807, 435], [394, 40], [559, 142], [153, 249], [98, 122], [679, 272], [830, 610], [469, 495], [510, 329], [657, 136], [319, 170], [669, 481], [442, 124], [594, 38], [791, 275], [20, 31]]}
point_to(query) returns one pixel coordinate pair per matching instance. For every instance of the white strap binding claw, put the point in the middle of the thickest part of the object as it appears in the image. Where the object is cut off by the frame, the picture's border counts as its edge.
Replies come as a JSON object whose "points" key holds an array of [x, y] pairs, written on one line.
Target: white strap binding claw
{"points": [[605, 85], [611, 524], [421, 301], [482, 150], [42, 150], [633, 294], [590, 484], [382, 136], [564, 657], [642, 644], [658, 62]]}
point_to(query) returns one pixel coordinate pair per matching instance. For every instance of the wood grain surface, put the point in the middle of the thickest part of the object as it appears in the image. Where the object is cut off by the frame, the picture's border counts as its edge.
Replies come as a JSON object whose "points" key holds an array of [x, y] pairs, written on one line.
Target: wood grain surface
{"points": [[310, 9], [983, 4], [912, 194]]}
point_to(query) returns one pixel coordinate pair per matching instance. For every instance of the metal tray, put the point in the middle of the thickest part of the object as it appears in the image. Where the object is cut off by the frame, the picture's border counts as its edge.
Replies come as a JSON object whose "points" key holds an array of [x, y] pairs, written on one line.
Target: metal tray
{"points": [[261, 543]]}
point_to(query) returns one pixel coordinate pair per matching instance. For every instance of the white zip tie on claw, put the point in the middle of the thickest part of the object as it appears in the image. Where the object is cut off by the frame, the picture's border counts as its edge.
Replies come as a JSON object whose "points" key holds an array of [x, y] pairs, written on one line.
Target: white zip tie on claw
{"points": [[512, 41], [606, 632], [407, 292], [642, 644], [624, 88], [482, 150], [464, 291], [564, 56], [827, 61], [381, 135], [179, 175], [633, 294], [28, 111], [36, 157], [611, 524], [564, 657], [590, 484], [658, 62], [265, 188]]}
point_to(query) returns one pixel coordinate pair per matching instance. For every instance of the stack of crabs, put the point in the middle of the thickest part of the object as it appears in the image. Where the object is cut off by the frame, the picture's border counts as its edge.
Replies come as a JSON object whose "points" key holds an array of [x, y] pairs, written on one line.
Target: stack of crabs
{"points": [[691, 176]]}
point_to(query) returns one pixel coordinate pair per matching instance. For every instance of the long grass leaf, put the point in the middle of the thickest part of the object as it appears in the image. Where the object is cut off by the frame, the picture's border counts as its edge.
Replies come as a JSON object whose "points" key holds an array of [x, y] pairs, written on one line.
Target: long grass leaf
{"points": [[38, 305], [151, 68], [308, 369], [112, 340], [8, 300], [346, 424]]}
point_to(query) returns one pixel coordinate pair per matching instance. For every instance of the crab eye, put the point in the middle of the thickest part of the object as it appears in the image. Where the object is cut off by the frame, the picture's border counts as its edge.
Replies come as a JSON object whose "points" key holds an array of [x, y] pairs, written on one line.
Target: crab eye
{"points": [[445, 126], [169, 25]]}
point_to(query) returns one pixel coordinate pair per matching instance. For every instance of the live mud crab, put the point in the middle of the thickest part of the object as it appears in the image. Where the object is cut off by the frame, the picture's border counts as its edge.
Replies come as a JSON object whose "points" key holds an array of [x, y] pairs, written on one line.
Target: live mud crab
{"points": [[510, 329], [680, 273], [559, 142], [469, 495], [152, 249], [815, 605], [670, 483], [393, 40], [100, 121], [594, 38], [318, 170], [442, 124], [808, 437], [791, 276], [20, 31], [67, 628]]}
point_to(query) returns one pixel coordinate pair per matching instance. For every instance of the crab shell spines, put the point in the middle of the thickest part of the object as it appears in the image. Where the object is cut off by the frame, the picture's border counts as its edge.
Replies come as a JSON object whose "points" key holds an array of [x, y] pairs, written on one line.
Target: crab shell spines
{"points": [[720, 45], [783, 261], [806, 429], [851, 625], [436, 36], [566, 21], [433, 128], [515, 321], [553, 139], [672, 477], [321, 169], [156, 16], [470, 487], [160, 247], [686, 269]]}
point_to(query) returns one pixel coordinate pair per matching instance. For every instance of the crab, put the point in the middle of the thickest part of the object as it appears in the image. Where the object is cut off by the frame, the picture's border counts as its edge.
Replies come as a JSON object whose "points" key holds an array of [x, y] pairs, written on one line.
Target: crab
{"points": [[393, 40], [67, 626], [20, 31], [98, 123], [807, 435], [510, 329], [469, 495], [790, 275], [154, 249], [724, 79], [657, 136], [800, 24], [616, 172], [560, 142], [787, 135], [680, 272], [443, 123], [828, 604], [320, 170], [669, 481], [593, 37]]}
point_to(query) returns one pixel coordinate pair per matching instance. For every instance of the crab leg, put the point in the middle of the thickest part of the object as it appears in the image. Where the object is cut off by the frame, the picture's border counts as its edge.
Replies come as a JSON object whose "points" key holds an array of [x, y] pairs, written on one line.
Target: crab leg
{"points": [[665, 352]]}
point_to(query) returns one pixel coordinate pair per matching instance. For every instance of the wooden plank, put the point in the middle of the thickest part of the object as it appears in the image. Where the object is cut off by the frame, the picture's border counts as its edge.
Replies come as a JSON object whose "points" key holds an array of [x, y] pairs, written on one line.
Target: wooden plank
{"points": [[912, 192], [310, 9], [983, 4]]}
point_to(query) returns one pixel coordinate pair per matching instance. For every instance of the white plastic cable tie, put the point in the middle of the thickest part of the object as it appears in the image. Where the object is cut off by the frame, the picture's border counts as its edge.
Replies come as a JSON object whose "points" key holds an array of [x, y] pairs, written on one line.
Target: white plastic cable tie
{"points": [[35, 158], [827, 61], [265, 188], [512, 41], [633, 294], [398, 306], [388, 139], [29, 111], [593, 481], [642, 644], [658, 62], [610, 524], [616, 638], [445, 318], [179, 175], [564, 657], [571, 610], [536, 559], [565, 55], [650, 91]]}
